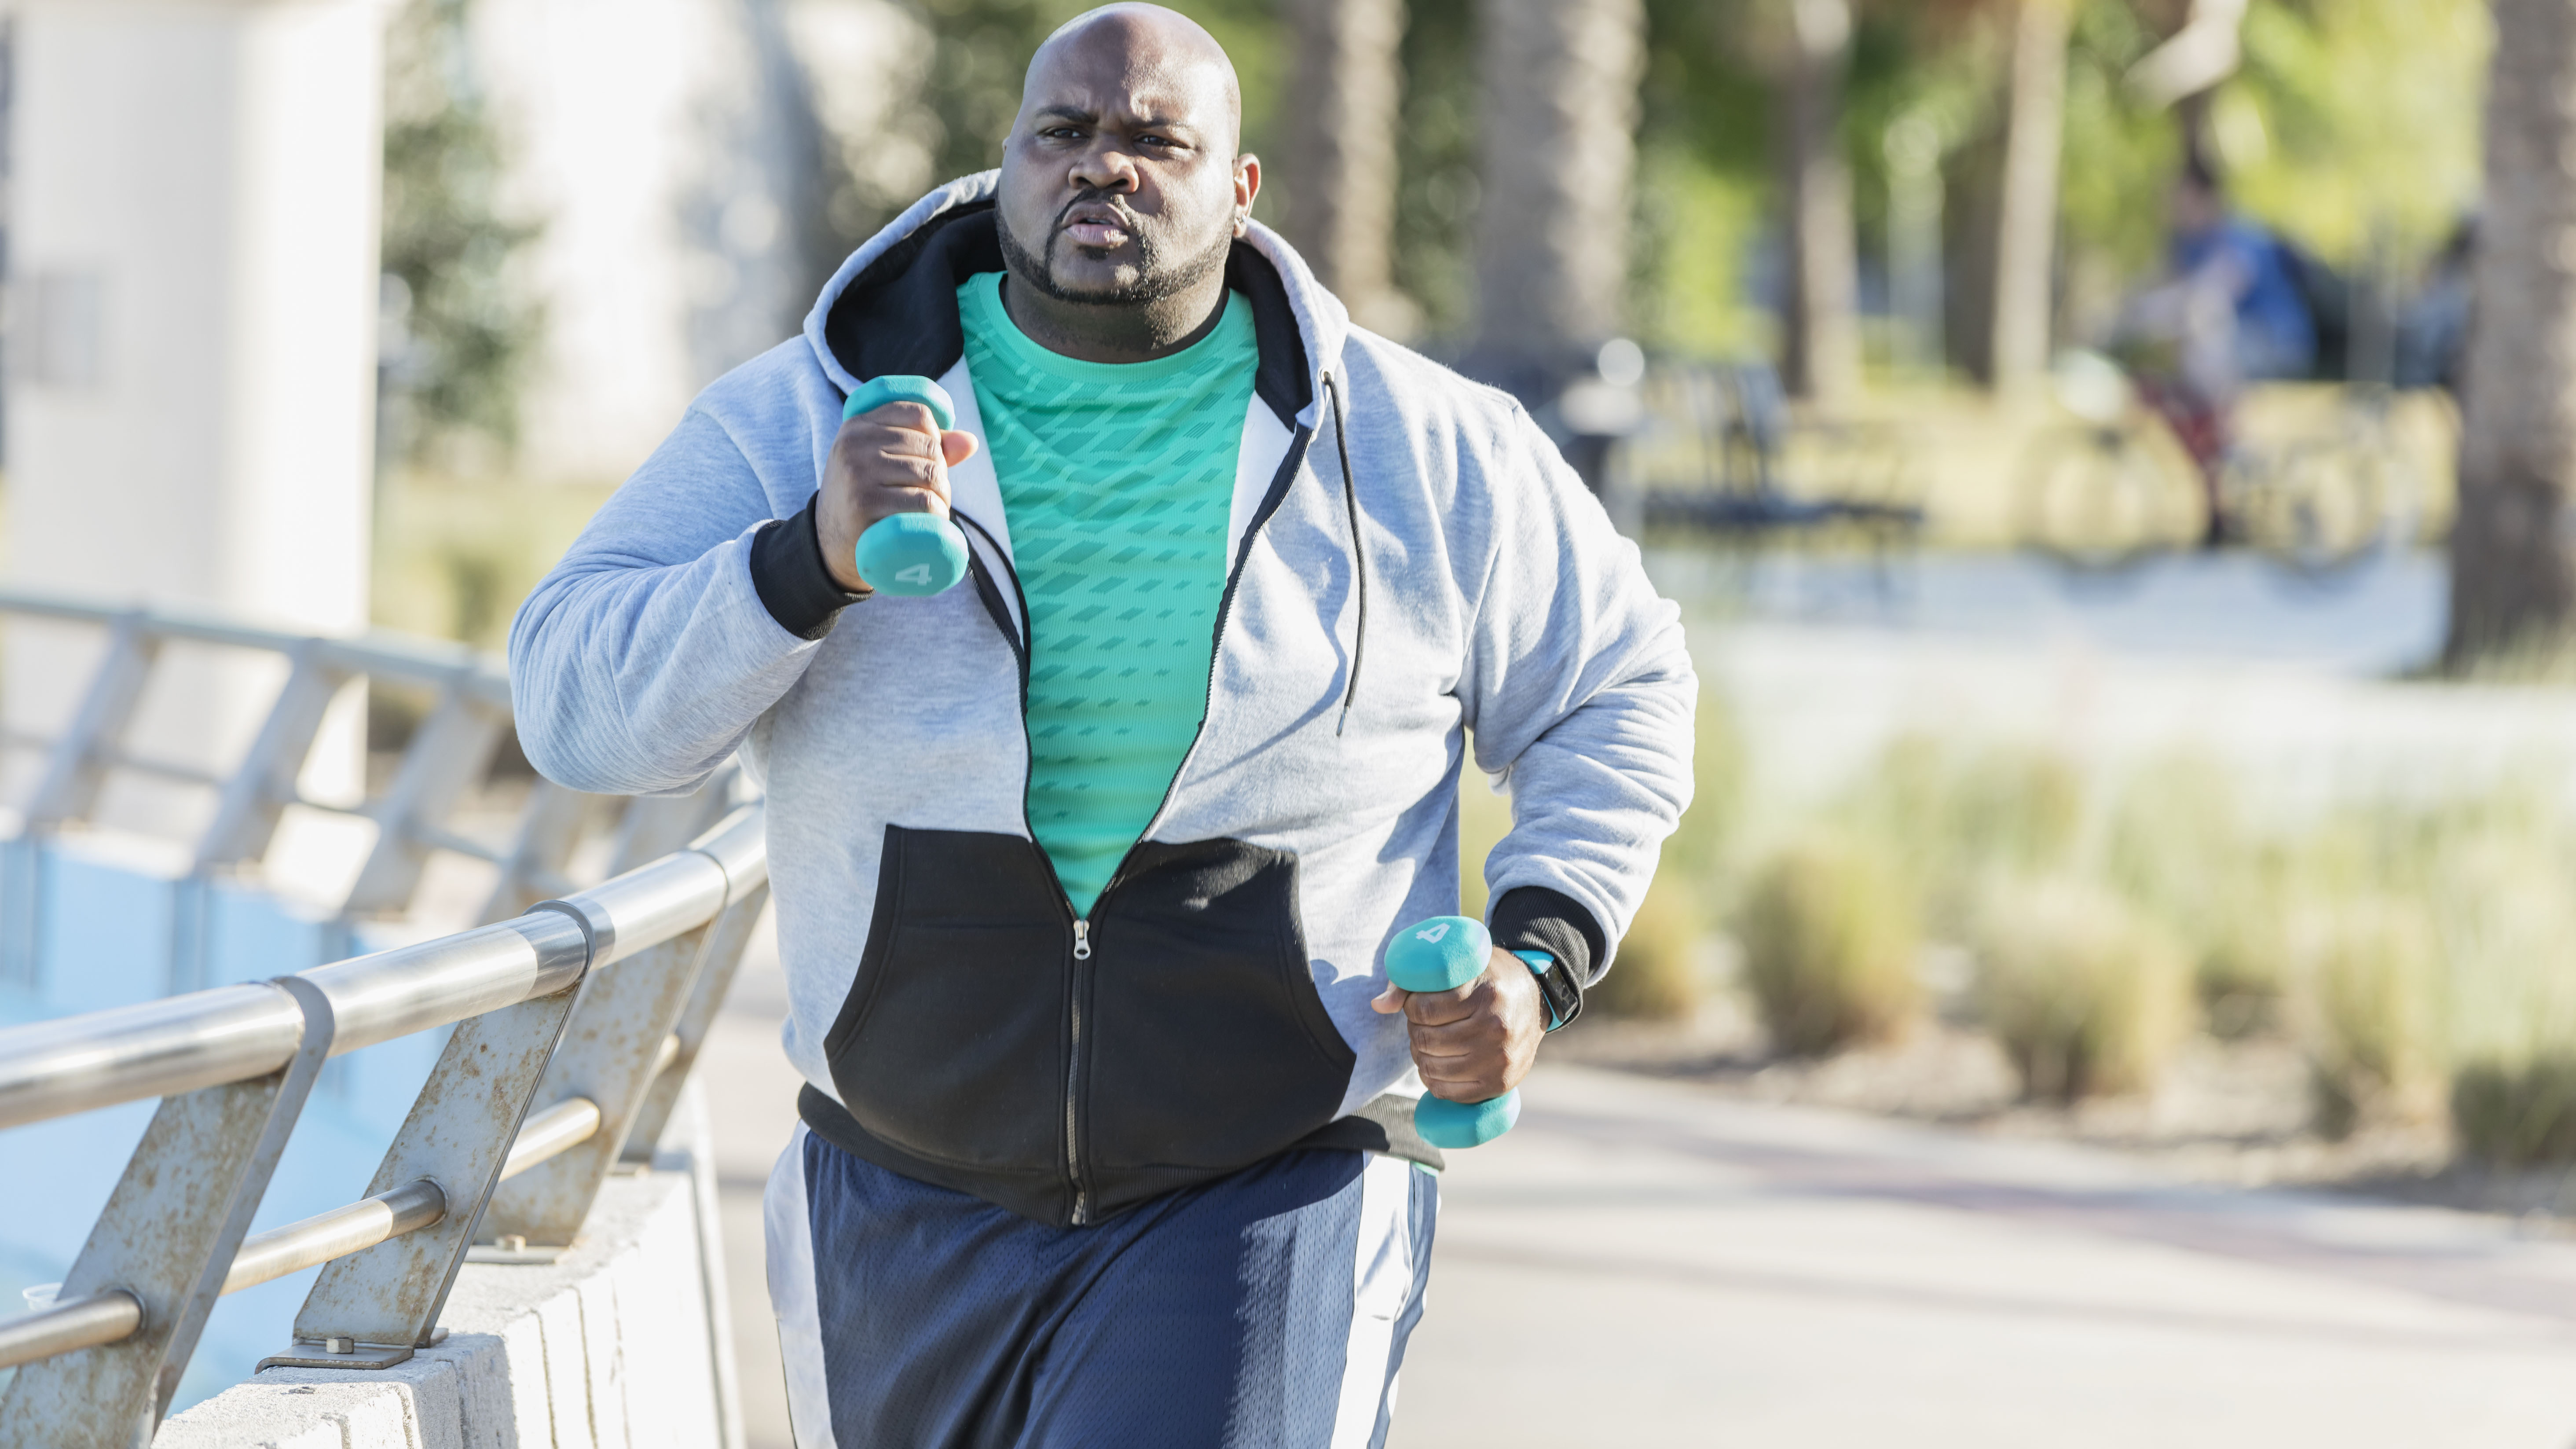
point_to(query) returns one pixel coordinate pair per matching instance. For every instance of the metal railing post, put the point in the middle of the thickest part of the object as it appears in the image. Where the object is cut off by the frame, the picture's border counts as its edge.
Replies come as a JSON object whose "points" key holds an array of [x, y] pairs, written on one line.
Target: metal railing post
{"points": [[166, 1243], [452, 749], [248, 809], [743, 852], [609, 1057], [383, 1302], [77, 764], [549, 827], [622, 1038]]}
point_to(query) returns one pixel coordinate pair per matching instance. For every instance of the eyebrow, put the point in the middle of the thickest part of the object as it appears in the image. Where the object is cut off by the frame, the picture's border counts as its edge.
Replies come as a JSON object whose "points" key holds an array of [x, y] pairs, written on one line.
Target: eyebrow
{"points": [[1064, 112]]}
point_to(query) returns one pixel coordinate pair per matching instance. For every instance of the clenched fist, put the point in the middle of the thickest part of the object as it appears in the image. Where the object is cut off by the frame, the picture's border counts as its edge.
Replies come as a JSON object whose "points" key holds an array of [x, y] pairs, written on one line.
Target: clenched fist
{"points": [[886, 461], [1475, 1043]]}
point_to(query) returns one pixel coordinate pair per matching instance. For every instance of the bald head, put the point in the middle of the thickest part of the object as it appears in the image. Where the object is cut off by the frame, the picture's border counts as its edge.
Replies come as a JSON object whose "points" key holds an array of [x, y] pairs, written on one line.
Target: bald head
{"points": [[1122, 185], [1147, 40]]}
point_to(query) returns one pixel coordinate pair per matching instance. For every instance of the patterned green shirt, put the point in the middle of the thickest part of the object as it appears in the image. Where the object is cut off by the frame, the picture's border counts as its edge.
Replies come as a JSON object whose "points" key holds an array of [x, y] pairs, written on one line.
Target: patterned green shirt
{"points": [[1117, 479]]}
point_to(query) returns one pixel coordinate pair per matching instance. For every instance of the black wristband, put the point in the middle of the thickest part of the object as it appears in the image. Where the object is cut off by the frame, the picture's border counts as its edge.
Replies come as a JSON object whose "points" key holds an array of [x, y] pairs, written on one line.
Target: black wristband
{"points": [[1534, 918], [787, 572]]}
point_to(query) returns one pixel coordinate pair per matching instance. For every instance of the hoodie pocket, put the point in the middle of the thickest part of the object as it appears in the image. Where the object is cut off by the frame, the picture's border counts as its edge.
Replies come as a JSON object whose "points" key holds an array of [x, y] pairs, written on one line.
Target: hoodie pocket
{"points": [[952, 1045], [1207, 1047]]}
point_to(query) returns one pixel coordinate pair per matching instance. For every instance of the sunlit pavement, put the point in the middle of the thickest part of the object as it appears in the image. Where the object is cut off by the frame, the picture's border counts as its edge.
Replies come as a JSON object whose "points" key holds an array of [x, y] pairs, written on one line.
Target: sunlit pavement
{"points": [[1644, 1263]]}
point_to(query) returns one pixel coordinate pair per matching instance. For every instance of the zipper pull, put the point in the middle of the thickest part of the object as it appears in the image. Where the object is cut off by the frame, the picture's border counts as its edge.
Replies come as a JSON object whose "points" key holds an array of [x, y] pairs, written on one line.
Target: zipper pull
{"points": [[1081, 939]]}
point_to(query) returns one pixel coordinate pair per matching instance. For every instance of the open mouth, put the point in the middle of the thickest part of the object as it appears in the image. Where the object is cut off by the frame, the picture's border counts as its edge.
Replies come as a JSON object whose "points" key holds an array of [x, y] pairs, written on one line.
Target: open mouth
{"points": [[1096, 224]]}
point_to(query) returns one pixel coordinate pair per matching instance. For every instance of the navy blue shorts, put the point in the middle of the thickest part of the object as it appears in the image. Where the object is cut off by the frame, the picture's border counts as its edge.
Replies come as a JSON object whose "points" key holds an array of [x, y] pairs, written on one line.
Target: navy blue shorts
{"points": [[1265, 1310]]}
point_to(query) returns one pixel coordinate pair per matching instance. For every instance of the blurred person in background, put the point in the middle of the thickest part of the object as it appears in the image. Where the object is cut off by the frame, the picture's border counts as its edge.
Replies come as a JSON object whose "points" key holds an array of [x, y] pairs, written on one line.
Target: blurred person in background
{"points": [[2233, 309], [1084, 867]]}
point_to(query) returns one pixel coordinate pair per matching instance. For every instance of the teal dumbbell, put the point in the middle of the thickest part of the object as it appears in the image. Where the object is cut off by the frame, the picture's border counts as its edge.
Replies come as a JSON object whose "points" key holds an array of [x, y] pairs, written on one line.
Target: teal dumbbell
{"points": [[1443, 954], [910, 555]]}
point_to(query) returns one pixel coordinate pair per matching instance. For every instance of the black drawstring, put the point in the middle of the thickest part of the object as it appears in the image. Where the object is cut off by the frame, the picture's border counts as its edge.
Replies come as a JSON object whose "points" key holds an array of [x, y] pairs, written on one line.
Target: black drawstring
{"points": [[1359, 548]]}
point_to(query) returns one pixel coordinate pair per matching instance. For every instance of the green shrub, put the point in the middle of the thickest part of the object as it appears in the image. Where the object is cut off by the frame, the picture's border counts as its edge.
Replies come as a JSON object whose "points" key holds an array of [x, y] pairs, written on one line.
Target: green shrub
{"points": [[2508, 935], [2518, 1115], [1657, 975], [2369, 1013], [1831, 933], [1955, 816], [2178, 845], [2087, 996]]}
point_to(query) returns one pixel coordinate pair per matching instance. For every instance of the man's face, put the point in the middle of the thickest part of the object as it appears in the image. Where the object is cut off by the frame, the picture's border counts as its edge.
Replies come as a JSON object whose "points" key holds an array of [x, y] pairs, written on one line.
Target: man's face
{"points": [[1120, 185]]}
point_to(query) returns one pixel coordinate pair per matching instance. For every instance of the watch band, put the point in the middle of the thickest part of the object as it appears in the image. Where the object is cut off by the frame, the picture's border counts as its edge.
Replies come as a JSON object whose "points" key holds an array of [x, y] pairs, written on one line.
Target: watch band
{"points": [[1556, 986]]}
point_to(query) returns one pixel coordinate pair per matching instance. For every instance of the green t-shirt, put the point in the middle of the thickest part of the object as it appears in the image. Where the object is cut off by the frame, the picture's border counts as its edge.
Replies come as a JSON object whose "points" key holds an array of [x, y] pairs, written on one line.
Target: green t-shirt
{"points": [[1117, 479]]}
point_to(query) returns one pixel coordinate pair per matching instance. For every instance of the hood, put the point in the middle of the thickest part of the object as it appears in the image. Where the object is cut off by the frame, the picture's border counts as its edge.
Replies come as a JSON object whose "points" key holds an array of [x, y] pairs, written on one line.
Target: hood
{"points": [[891, 307]]}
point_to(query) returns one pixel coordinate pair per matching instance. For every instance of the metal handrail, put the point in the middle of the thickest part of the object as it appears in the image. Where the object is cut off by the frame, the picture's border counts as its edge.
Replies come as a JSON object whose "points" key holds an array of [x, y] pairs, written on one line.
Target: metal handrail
{"points": [[379, 653], [540, 1086], [450, 752], [185, 1043]]}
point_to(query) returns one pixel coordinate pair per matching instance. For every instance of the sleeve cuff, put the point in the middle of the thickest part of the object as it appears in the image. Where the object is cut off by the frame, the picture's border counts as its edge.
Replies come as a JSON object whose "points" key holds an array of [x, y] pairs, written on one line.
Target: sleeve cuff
{"points": [[1534, 918], [788, 573]]}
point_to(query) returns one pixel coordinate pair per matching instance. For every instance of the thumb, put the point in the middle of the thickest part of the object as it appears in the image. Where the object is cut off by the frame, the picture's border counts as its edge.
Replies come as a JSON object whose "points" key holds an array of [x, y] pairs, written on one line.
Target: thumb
{"points": [[1391, 1000], [956, 447]]}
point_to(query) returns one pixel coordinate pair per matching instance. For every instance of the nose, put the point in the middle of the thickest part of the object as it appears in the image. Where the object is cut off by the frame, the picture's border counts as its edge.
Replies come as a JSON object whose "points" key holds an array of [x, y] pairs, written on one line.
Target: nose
{"points": [[1105, 167]]}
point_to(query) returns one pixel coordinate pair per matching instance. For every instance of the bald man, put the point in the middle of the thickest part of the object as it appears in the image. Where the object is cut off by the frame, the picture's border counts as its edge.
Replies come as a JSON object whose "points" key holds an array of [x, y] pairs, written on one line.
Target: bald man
{"points": [[1084, 868]]}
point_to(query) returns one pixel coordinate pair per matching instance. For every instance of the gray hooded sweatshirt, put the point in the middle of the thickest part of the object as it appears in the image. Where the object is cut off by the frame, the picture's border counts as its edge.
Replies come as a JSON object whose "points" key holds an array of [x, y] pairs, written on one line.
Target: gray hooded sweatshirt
{"points": [[1411, 565]]}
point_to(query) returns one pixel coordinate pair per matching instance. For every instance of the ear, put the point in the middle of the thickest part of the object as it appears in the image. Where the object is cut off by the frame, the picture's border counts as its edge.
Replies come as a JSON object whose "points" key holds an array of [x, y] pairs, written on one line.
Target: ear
{"points": [[1247, 188]]}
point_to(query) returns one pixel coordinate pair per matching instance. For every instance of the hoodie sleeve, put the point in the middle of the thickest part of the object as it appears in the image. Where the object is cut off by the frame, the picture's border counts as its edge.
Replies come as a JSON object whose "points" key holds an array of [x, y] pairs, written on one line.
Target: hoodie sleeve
{"points": [[644, 657], [1580, 691]]}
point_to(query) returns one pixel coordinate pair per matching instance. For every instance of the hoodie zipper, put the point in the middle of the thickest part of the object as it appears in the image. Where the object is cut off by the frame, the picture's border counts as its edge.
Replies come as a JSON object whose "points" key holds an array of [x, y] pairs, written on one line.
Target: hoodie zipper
{"points": [[1082, 955]]}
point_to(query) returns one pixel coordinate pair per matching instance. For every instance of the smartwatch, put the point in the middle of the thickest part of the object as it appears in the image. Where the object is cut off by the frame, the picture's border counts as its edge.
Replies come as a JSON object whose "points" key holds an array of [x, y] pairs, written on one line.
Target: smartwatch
{"points": [[1556, 986]]}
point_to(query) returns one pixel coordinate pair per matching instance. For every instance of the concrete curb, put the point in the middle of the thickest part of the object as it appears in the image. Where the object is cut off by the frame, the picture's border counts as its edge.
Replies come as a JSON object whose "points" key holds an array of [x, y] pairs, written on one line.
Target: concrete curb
{"points": [[610, 1345]]}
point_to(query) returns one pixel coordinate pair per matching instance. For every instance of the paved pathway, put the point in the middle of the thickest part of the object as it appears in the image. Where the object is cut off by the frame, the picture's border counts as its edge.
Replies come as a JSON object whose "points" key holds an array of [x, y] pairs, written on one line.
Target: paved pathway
{"points": [[1644, 1263]]}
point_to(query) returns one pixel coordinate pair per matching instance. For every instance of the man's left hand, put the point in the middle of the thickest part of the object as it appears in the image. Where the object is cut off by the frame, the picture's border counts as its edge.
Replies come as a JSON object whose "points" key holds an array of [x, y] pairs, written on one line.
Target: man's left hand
{"points": [[1474, 1043]]}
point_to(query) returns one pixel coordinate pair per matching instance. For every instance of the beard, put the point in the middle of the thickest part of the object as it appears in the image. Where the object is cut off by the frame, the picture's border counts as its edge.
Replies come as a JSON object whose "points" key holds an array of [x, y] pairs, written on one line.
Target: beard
{"points": [[1158, 276]]}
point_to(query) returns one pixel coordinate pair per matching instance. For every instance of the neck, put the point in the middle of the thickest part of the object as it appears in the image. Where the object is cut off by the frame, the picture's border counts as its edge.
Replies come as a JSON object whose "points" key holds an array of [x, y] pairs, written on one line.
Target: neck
{"points": [[1117, 332]]}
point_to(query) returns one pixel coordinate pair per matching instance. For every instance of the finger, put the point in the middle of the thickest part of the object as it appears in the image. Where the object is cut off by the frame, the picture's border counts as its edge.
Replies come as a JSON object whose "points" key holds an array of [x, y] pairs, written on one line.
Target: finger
{"points": [[1390, 1001], [1438, 1008], [1461, 1084], [957, 447], [869, 437], [904, 473], [912, 417], [1467, 1041]]}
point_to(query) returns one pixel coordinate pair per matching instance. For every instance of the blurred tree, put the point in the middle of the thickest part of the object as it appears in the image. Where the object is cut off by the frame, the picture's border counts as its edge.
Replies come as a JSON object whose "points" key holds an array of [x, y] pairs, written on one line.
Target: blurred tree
{"points": [[1696, 269], [979, 53], [1338, 160], [458, 332], [1437, 191], [2513, 548], [1557, 156], [1820, 345], [2353, 123], [2026, 209]]}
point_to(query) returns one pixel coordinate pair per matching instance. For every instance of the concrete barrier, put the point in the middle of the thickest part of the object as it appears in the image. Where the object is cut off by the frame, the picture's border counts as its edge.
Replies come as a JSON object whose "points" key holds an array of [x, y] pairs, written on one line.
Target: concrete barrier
{"points": [[621, 1342]]}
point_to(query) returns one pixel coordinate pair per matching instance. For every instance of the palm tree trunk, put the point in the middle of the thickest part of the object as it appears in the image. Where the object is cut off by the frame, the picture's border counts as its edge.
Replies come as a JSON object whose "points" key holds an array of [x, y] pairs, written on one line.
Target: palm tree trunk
{"points": [[2026, 231], [1558, 155], [1821, 351], [2513, 548], [1340, 169]]}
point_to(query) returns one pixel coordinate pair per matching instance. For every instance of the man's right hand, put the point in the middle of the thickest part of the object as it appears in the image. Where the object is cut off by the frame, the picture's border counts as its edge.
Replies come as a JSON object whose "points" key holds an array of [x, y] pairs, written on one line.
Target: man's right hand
{"points": [[890, 460]]}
